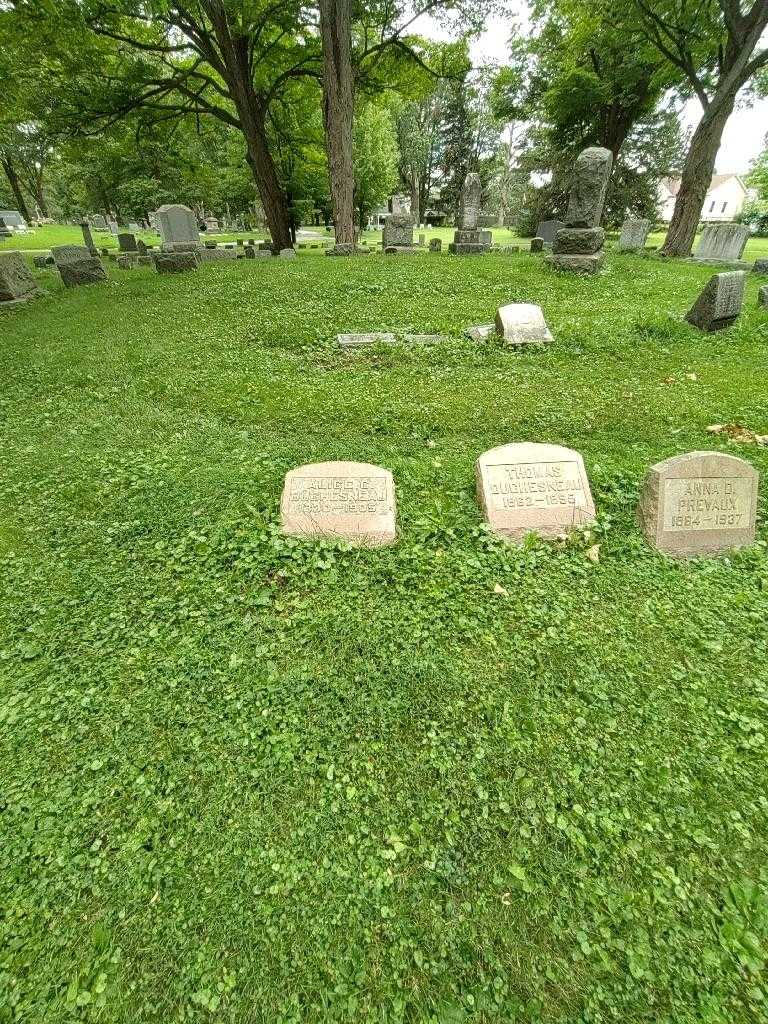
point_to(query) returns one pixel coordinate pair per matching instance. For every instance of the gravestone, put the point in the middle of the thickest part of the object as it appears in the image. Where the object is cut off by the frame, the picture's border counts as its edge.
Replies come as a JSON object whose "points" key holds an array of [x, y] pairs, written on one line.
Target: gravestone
{"points": [[5, 231], [469, 238], [88, 237], [720, 302], [133, 226], [77, 265], [480, 332], [578, 247], [174, 262], [762, 296], [361, 340], [211, 224], [113, 226], [435, 244], [760, 267], [178, 228], [533, 487], [537, 244], [353, 501], [522, 323], [287, 254], [634, 234], [700, 503], [99, 222], [398, 231], [17, 283], [547, 230], [128, 260], [126, 242], [722, 242]]}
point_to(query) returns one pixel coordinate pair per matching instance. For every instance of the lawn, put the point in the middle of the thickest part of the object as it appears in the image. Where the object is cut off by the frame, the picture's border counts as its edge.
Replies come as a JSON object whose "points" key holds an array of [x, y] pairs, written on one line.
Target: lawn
{"points": [[247, 778], [42, 238]]}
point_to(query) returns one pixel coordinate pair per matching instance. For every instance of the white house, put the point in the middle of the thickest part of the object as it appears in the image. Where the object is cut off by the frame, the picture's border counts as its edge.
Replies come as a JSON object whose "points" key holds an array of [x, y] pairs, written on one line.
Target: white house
{"points": [[726, 195]]}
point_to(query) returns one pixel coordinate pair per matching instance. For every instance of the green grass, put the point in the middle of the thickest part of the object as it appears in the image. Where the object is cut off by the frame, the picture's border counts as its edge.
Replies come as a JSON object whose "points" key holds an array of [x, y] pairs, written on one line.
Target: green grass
{"points": [[42, 238], [250, 779]]}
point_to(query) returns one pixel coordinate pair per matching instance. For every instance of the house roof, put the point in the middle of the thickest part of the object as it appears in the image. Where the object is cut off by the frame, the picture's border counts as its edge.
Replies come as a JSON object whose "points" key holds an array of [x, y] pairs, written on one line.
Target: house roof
{"points": [[672, 185]]}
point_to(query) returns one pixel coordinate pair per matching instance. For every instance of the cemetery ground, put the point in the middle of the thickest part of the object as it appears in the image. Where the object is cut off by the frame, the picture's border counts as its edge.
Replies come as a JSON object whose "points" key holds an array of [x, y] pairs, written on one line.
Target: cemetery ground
{"points": [[250, 778]]}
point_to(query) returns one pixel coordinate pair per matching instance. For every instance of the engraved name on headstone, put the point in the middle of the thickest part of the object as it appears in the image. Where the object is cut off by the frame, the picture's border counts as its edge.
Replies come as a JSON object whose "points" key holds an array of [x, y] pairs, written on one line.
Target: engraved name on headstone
{"points": [[700, 503], [354, 501], [531, 487]]}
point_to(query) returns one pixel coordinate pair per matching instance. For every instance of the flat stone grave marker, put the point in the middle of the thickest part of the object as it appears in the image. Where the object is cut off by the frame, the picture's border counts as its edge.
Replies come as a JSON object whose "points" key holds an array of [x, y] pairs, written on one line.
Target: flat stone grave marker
{"points": [[480, 332], [522, 323], [700, 503], [723, 242], [530, 487], [17, 283], [353, 501], [719, 304], [361, 340]]}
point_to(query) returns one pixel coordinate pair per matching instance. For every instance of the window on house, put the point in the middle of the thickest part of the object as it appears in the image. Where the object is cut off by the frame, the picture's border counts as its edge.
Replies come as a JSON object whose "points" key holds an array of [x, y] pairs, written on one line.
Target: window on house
{"points": [[724, 207], [712, 206]]}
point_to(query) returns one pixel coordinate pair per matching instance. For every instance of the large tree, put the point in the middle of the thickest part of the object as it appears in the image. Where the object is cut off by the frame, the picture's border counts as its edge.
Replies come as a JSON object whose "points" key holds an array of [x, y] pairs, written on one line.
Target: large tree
{"points": [[719, 47]]}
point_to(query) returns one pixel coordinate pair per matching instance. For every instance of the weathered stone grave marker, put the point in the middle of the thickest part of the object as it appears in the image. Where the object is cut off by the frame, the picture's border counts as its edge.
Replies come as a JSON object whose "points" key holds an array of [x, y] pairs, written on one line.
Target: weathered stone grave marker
{"points": [[634, 234], [397, 232], [174, 262], [468, 238], [126, 242], [578, 247], [17, 282], [178, 228], [722, 242], [720, 302], [522, 323], [537, 243], [529, 487], [762, 296], [547, 230], [77, 265], [354, 501], [700, 503]]}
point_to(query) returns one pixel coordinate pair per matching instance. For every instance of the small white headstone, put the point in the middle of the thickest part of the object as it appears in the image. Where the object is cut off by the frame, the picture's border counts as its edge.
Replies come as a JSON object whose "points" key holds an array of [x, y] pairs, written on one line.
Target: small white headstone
{"points": [[522, 323], [529, 487], [353, 501]]}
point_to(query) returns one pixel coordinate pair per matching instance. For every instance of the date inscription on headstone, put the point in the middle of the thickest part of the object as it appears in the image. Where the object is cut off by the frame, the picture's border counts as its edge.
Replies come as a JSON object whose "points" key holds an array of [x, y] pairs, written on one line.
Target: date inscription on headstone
{"points": [[535, 485], [707, 503], [338, 495]]}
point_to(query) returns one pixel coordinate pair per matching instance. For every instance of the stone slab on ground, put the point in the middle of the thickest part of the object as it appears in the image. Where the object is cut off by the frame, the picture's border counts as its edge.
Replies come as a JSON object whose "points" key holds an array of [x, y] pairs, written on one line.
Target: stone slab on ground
{"points": [[724, 242], [530, 487], [17, 282], [578, 241], [480, 332], [175, 262], [699, 503], [522, 323], [77, 265], [353, 501], [361, 340], [575, 263], [720, 303]]}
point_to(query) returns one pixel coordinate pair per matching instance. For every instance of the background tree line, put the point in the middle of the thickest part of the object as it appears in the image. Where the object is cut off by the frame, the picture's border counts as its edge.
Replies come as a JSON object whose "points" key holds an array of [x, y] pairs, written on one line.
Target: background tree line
{"points": [[301, 110]]}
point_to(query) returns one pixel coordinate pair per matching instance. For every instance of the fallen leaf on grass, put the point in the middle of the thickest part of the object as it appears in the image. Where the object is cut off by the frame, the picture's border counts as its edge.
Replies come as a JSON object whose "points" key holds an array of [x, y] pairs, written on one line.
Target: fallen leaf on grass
{"points": [[498, 589], [737, 432], [593, 553]]}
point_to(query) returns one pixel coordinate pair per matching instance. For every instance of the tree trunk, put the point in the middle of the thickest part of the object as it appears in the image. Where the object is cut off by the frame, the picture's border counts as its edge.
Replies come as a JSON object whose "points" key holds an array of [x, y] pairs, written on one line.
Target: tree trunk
{"points": [[415, 199], [694, 183], [13, 179], [338, 109]]}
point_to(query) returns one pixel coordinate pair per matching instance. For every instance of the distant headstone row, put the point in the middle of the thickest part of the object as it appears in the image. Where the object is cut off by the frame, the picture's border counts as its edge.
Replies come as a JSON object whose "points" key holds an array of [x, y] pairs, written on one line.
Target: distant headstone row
{"points": [[699, 503]]}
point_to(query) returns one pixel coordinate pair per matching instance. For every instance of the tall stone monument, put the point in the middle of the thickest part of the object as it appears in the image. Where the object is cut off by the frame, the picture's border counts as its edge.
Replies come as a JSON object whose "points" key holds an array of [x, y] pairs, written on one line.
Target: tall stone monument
{"points": [[720, 302], [541, 488], [579, 245], [469, 238], [700, 503], [354, 501], [178, 228]]}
